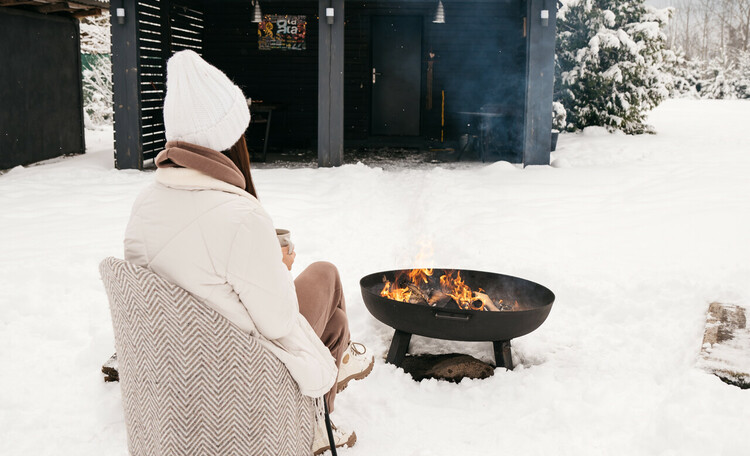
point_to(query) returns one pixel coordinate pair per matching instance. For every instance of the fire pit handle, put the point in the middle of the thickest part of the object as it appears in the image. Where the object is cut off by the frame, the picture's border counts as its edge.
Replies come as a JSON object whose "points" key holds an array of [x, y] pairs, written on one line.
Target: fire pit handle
{"points": [[448, 316]]}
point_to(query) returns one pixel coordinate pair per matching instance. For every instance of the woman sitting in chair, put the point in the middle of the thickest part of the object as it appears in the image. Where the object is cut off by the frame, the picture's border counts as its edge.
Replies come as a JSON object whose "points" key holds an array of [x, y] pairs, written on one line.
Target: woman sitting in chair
{"points": [[201, 227]]}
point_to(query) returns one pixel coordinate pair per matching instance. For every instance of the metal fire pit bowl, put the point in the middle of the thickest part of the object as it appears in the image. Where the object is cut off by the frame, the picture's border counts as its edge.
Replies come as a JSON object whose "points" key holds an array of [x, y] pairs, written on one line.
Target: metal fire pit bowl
{"points": [[535, 302]]}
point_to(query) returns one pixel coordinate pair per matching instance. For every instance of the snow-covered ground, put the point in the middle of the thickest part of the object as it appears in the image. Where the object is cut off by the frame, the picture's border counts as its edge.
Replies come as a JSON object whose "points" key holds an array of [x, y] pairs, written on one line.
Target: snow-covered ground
{"points": [[635, 235]]}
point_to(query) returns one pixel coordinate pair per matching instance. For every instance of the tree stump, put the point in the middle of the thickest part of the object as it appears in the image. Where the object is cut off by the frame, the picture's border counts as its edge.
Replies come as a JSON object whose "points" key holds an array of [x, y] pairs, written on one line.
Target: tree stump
{"points": [[726, 344], [451, 367]]}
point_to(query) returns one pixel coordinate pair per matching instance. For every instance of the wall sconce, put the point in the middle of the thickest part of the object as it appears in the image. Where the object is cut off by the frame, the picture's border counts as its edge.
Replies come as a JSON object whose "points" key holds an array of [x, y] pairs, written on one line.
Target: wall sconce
{"points": [[439, 14], [329, 16], [257, 14], [120, 13], [545, 18]]}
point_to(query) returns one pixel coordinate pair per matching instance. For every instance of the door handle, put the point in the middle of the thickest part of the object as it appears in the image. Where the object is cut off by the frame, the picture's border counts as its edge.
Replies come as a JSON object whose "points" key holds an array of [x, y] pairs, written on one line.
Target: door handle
{"points": [[375, 75]]}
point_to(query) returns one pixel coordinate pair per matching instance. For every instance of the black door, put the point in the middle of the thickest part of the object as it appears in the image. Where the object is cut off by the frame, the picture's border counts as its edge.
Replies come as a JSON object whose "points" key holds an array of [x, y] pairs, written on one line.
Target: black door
{"points": [[396, 75]]}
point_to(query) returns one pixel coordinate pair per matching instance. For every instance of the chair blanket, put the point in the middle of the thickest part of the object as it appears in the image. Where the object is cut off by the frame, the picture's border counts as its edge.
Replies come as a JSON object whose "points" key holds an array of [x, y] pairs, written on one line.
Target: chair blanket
{"points": [[193, 383]]}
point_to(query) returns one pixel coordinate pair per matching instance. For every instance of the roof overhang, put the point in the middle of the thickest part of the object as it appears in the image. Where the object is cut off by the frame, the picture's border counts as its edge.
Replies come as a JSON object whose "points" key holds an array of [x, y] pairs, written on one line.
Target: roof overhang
{"points": [[76, 8]]}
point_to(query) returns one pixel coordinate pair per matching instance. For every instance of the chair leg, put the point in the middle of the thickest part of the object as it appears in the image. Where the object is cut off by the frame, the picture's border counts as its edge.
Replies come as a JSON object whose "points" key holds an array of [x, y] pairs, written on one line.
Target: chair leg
{"points": [[331, 441]]}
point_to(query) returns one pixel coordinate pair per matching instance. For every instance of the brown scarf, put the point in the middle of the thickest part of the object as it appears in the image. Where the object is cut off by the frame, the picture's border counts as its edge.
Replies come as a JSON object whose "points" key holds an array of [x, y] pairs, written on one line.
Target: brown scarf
{"points": [[178, 154]]}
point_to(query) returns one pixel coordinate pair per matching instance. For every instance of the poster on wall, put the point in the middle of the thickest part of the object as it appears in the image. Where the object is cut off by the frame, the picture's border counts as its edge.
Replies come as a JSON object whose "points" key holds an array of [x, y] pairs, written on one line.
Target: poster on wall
{"points": [[282, 32]]}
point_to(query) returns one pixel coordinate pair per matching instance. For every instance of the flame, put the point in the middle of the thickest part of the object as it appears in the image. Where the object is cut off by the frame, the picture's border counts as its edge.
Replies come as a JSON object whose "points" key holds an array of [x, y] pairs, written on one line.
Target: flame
{"points": [[419, 275], [455, 287], [391, 291], [415, 276]]}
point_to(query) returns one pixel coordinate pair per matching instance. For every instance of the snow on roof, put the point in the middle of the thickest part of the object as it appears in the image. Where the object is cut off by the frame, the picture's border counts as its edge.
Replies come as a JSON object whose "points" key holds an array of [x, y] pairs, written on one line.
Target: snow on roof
{"points": [[78, 8]]}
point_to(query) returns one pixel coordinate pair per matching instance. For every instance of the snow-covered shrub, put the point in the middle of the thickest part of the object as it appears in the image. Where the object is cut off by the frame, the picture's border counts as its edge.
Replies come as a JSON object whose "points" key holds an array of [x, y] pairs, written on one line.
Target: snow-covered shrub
{"points": [[97, 71], [559, 116], [742, 84], [609, 65], [726, 77], [735, 75], [717, 80], [685, 74]]}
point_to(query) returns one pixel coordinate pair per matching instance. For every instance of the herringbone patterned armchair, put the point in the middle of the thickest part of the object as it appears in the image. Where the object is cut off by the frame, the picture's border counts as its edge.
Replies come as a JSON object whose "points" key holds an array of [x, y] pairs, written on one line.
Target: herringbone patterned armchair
{"points": [[192, 383]]}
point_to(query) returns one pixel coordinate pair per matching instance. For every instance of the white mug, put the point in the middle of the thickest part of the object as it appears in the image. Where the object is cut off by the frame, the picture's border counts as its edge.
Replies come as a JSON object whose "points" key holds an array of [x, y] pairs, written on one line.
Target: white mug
{"points": [[285, 239]]}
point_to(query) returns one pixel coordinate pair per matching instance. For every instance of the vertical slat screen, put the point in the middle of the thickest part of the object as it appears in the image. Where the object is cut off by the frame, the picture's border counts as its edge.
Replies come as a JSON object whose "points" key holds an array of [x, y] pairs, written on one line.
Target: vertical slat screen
{"points": [[153, 76], [165, 28], [186, 27]]}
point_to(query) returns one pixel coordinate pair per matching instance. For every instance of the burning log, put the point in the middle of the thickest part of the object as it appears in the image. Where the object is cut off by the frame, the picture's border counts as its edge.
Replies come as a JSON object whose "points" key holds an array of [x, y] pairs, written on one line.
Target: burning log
{"points": [[485, 303], [436, 297], [417, 296], [418, 286], [447, 303], [442, 300]]}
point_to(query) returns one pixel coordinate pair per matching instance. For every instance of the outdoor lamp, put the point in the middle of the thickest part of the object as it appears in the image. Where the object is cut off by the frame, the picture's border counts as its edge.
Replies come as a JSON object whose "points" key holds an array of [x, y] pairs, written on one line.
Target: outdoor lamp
{"points": [[329, 16], [120, 12], [545, 18], [257, 14], [439, 14]]}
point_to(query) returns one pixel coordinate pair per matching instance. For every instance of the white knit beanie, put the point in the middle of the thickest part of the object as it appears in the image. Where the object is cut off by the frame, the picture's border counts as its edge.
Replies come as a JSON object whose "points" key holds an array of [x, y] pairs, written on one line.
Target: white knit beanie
{"points": [[202, 105]]}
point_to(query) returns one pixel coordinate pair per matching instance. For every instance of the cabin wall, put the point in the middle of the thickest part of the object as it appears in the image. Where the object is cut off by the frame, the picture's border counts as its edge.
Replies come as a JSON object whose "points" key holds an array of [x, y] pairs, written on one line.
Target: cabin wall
{"points": [[41, 102]]}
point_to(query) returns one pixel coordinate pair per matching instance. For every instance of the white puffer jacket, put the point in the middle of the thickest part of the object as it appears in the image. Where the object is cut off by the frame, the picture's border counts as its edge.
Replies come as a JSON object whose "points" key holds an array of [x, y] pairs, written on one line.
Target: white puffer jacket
{"points": [[215, 240]]}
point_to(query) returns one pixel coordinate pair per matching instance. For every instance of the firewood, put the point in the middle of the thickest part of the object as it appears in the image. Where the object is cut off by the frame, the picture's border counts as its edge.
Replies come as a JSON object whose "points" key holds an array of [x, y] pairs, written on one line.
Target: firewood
{"points": [[447, 302], [417, 295], [727, 332], [451, 367], [415, 299], [436, 297], [488, 304]]}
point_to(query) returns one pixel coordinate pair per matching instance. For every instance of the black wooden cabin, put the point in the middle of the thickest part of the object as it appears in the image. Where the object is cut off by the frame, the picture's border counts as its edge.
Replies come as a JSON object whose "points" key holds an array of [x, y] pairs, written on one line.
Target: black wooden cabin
{"points": [[377, 71], [41, 100]]}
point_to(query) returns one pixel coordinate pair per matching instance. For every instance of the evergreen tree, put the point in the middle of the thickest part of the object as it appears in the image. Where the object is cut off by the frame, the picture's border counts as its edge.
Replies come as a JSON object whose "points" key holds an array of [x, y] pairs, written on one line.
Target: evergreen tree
{"points": [[718, 80], [685, 74], [743, 77], [610, 59]]}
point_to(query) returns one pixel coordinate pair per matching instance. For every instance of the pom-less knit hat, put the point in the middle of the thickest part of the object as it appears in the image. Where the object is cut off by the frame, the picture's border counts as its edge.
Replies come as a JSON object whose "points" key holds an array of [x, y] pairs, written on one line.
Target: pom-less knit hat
{"points": [[202, 106]]}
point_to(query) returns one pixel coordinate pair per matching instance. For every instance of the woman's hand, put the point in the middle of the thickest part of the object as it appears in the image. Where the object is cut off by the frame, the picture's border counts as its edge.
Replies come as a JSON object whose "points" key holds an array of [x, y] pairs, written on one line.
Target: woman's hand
{"points": [[288, 258]]}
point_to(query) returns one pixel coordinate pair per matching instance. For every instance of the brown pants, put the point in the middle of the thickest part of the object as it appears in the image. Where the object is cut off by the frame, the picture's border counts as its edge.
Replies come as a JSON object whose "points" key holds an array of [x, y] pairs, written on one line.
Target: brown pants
{"points": [[321, 302]]}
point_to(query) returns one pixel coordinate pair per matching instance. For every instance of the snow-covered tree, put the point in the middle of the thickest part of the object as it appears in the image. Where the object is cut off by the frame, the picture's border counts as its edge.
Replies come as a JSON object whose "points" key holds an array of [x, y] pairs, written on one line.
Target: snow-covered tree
{"points": [[717, 80], [742, 83], [726, 77], [685, 74], [610, 59], [97, 71], [559, 116]]}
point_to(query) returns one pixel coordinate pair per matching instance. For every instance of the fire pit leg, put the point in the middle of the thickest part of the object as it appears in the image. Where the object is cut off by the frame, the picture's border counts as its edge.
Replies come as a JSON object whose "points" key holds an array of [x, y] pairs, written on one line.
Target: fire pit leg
{"points": [[399, 347], [502, 354]]}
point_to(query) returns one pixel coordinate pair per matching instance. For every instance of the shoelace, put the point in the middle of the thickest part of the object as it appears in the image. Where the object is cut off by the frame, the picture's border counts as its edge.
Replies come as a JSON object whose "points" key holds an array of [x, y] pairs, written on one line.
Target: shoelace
{"points": [[358, 348]]}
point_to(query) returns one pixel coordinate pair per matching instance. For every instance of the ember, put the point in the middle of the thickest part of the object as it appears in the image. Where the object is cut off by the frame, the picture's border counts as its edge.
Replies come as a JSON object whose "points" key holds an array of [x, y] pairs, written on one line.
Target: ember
{"points": [[418, 286]]}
